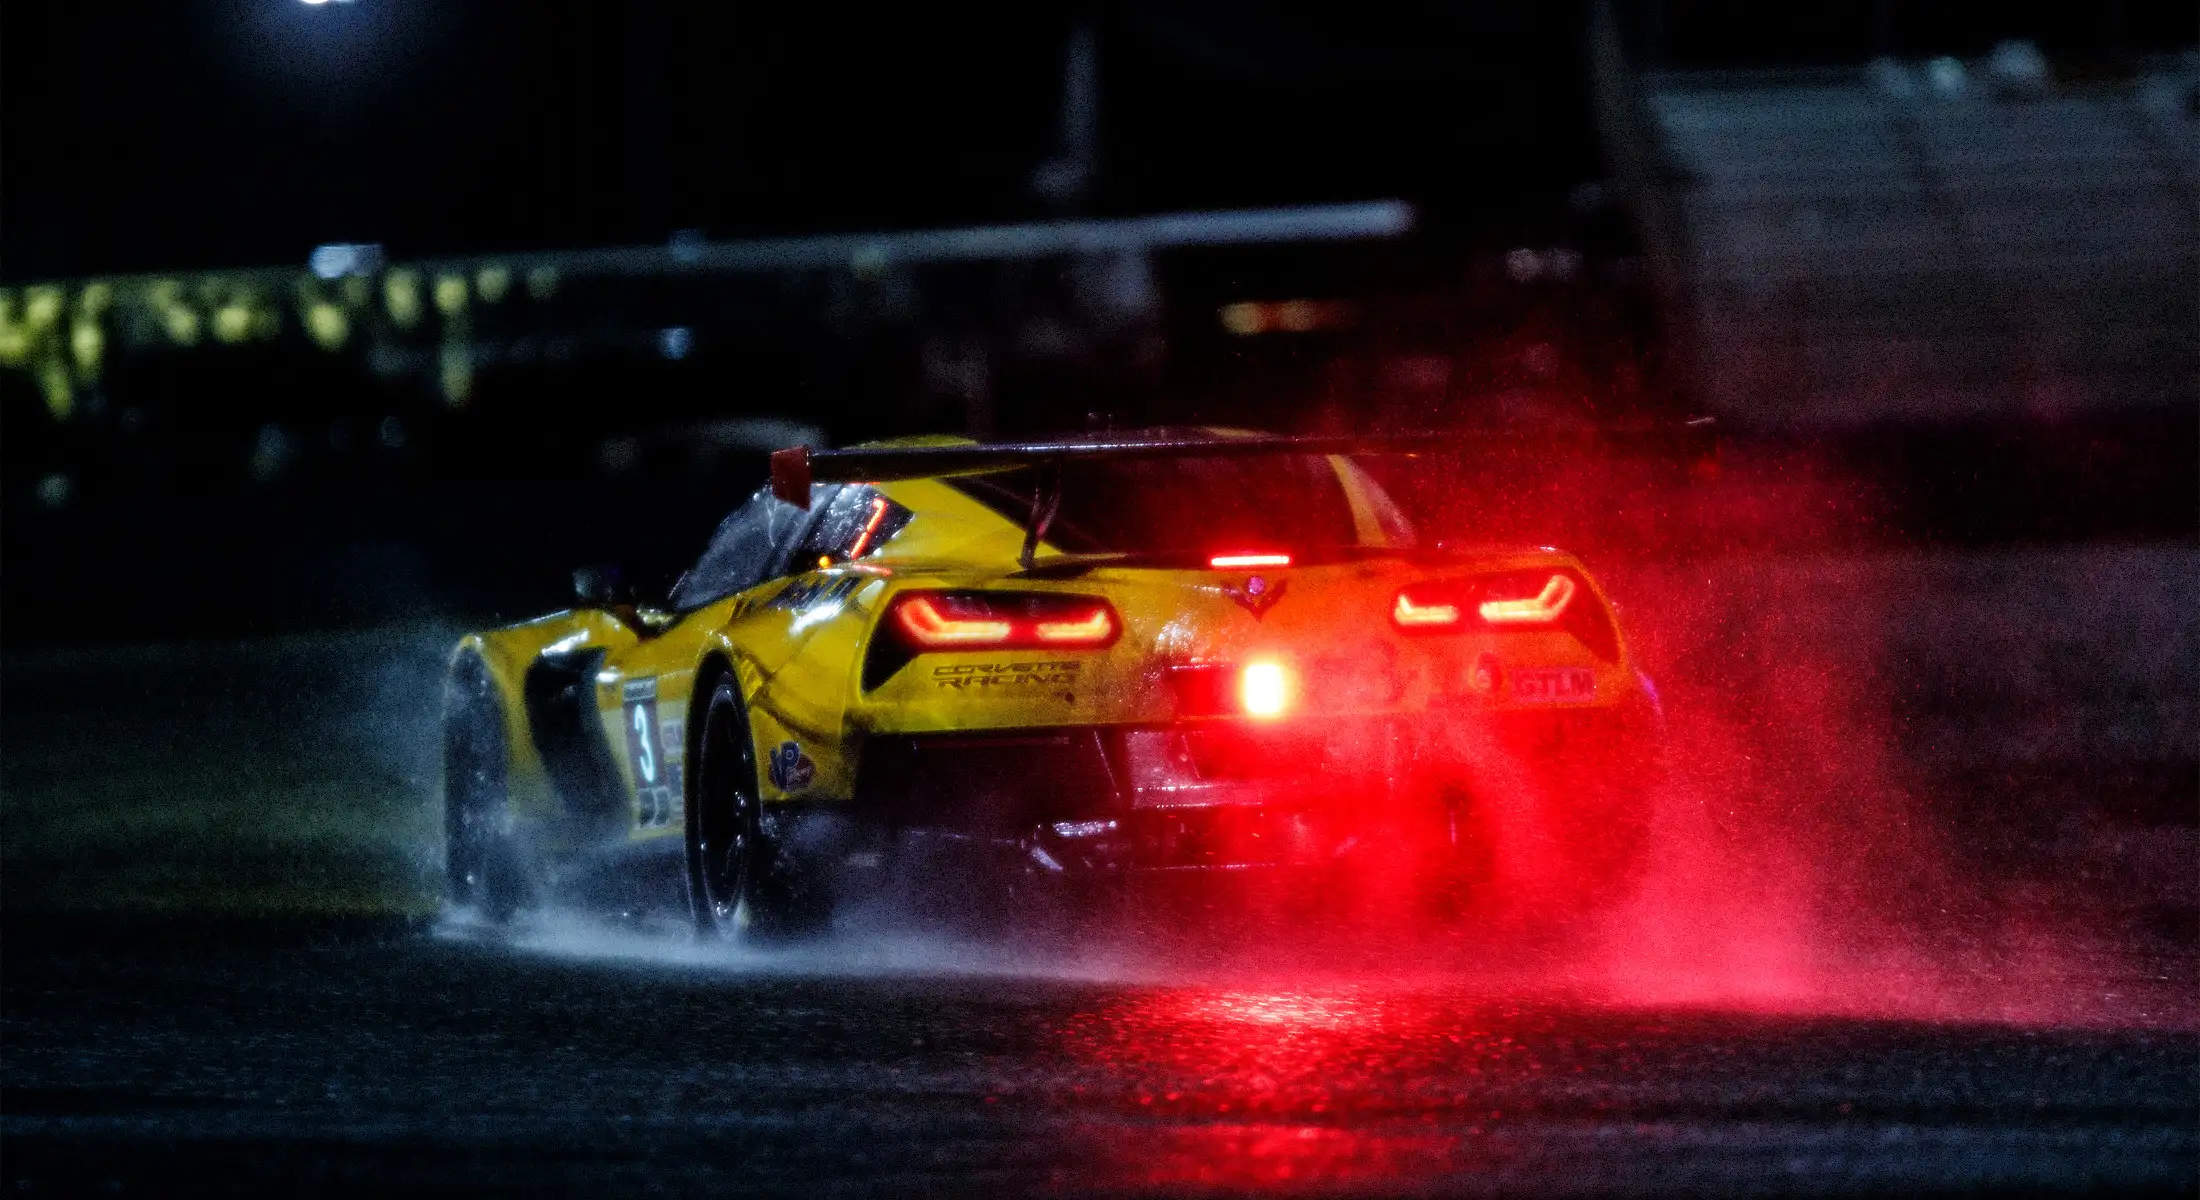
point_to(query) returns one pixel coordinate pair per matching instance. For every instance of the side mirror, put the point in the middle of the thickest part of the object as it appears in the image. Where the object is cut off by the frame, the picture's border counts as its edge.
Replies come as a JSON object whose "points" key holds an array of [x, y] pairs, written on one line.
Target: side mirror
{"points": [[602, 585]]}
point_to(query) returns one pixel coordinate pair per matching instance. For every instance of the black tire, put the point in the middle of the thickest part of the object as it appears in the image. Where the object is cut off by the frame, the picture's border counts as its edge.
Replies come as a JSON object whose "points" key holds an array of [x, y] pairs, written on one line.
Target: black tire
{"points": [[482, 867], [736, 885]]}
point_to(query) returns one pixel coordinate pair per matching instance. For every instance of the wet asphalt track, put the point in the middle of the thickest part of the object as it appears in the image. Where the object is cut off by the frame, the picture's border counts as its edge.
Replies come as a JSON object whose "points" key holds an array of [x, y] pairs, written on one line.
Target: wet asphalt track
{"points": [[224, 1055], [150, 1057]]}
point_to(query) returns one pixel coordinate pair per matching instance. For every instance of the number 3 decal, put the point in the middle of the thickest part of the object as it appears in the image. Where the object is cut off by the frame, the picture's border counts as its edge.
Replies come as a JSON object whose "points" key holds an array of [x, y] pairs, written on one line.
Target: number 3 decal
{"points": [[645, 744], [656, 777]]}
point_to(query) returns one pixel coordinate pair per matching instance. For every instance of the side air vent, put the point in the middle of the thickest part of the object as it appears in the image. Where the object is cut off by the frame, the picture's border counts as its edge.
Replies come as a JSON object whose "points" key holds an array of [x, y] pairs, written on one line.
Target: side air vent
{"points": [[560, 694]]}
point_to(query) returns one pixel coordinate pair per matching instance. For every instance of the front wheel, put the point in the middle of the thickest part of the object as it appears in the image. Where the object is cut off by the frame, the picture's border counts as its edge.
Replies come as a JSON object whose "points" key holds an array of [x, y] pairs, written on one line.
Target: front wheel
{"points": [[483, 869]]}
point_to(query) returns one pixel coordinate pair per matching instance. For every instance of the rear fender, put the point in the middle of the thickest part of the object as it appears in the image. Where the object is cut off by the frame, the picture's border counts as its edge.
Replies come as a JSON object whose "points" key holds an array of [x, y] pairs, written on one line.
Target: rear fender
{"points": [[795, 645]]}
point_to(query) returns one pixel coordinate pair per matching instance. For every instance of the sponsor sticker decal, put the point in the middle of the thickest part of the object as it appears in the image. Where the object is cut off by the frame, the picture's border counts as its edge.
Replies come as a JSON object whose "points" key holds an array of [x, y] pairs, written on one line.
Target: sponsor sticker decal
{"points": [[1008, 678], [1553, 685], [790, 769]]}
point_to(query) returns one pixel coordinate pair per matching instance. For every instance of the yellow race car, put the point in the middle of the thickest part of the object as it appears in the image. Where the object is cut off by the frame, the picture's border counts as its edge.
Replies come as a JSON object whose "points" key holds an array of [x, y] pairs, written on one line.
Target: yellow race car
{"points": [[1073, 663]]}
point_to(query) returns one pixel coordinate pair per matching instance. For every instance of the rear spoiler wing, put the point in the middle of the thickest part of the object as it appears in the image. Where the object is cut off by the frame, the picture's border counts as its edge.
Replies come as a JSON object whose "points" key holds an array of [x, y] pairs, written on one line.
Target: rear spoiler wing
{"points": [[796, 468]]}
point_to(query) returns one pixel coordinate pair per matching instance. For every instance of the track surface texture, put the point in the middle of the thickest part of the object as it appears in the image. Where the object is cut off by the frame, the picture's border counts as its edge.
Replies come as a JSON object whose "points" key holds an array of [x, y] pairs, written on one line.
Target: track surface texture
{"points": [[1919, 918], [164, 1056]]}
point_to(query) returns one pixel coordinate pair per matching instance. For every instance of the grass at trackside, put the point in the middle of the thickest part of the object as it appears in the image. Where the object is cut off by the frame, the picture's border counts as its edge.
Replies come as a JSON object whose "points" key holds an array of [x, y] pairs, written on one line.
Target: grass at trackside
{"points": [[199, 842], [279, 776]]}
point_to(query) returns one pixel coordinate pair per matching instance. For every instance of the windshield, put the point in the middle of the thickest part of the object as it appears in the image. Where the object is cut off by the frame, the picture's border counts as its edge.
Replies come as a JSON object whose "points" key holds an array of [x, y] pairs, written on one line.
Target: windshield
{"points": [[1189, 505]]}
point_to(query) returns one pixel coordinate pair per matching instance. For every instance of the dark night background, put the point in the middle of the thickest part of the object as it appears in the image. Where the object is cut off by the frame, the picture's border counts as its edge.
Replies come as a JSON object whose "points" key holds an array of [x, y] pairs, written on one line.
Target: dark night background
{"points": [[197, 134], [224, 134], [204, 137], [332, 329]]}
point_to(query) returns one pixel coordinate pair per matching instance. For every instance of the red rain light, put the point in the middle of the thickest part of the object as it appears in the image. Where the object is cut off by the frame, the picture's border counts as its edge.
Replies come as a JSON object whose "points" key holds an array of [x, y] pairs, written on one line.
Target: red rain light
{"points": [[1226, 562], [1541, 609], [1265, 689], [921, 619], [1001, 620]]}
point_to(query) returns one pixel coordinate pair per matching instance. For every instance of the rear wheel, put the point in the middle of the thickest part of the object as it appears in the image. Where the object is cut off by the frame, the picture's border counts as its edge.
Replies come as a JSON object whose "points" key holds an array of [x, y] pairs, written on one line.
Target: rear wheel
{"points": [[482, 867], [723, 831], [737, 883]]}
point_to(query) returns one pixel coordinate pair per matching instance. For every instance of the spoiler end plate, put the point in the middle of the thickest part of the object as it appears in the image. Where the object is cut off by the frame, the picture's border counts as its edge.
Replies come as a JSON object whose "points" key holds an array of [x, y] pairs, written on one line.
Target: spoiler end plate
{"points": [[791, 475]]}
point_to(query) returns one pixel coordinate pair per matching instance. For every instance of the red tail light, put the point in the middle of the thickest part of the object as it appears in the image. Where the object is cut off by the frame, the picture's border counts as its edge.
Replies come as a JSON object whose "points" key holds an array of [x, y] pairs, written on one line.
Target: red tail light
{"points": [[1095, 628], [1229, 562], [1517, 599], [937, 621], [1543, 608], [1424, 612]]}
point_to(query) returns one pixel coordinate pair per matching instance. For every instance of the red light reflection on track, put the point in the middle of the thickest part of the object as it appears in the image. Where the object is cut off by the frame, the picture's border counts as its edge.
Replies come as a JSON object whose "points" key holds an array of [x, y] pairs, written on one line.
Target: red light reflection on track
{"points": [[1270, 1088], [1293, 1052], [1280, 1156], [1426, 1089], [1266, 1087]]}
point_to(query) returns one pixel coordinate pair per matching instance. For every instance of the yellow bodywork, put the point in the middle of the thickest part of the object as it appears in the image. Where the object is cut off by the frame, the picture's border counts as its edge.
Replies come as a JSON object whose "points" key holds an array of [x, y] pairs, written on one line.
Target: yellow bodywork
{"points": [[799, 663]]}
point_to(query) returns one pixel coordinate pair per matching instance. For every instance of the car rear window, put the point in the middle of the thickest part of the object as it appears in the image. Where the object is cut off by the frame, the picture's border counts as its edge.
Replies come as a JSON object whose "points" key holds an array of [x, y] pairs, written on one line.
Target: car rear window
{"points": [[1180, 505]]}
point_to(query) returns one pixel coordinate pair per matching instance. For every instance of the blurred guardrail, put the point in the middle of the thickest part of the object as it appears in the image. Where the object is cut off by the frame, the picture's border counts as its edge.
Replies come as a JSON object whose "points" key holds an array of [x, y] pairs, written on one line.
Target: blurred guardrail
{"points": [[446, 318]]}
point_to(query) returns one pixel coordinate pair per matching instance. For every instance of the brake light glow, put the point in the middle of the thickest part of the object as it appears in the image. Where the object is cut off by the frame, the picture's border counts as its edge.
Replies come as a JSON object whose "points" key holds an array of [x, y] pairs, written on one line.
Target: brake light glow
{"points": [[1429, 615], [1265, 689], [1227, 562], [935, 621], [1541, 609]]}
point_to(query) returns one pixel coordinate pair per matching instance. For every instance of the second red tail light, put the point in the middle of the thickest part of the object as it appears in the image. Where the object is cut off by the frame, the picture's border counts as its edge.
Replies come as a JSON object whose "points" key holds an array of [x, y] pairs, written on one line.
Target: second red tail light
{"points": [[1520, 598]]}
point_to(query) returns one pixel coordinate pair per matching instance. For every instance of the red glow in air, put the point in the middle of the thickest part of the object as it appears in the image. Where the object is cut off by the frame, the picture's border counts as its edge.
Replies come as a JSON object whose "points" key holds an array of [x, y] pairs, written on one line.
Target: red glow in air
{"points": [[1226, 562], [1541, 609]]}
